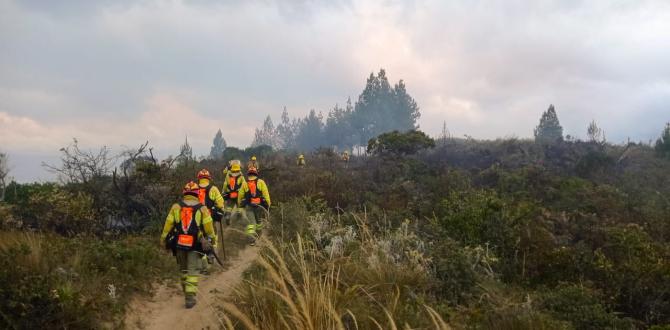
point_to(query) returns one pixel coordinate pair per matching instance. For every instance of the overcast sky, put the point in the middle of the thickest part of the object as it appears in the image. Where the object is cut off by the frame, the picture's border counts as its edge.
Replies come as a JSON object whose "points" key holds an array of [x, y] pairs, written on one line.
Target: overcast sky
{"points": [[118, 73]]}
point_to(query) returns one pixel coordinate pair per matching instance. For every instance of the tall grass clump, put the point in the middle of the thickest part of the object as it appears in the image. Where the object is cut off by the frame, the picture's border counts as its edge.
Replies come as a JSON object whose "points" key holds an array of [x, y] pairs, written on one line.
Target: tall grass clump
{"points": [[337, 273]]}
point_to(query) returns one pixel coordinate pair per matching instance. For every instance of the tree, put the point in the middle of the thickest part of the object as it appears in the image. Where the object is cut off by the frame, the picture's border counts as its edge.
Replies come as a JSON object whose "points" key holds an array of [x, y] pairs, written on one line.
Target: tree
{"points": [[595, 133], [286, 131], [265, 135], [218, 146], [445, 133], [310, 133], [338, 131], [549, 130], [185, 153], [662, 146], [381, 108], [81, 166], [4, 172], [398, 144]]}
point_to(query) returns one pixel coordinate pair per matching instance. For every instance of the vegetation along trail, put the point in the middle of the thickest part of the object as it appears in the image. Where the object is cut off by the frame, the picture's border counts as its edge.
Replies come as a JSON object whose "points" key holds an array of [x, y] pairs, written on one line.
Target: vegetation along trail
{"points": [[165, 309]]}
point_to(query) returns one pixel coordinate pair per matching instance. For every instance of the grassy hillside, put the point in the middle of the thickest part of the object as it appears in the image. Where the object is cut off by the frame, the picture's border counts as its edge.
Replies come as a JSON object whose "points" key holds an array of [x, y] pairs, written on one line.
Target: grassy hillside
{"points": [[476, 234]]}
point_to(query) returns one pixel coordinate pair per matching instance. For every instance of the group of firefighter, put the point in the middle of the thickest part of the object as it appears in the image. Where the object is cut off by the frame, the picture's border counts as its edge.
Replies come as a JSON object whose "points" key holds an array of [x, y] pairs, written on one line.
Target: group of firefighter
{"points": [[190, 230]]}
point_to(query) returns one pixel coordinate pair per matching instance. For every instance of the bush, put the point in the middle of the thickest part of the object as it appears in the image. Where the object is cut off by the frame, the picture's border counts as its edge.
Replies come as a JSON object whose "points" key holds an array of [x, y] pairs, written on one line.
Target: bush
{"points": [[398, 144], [48, 281], [582, 308]]}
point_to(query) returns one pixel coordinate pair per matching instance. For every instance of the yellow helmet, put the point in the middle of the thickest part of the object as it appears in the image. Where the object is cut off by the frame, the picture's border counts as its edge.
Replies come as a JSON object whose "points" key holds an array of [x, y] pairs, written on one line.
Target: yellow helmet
{"points": [[253, 157], [235, 168], [301, 157]]}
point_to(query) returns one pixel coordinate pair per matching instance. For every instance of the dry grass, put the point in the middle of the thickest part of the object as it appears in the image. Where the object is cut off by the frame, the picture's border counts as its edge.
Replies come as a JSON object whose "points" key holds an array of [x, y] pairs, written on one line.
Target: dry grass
{"points": [[31, 243], [301, 285]]}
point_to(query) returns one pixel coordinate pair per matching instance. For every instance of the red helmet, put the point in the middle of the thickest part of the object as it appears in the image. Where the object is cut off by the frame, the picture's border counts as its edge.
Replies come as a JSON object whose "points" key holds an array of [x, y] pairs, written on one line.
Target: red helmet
{"points": [[204, 174], [252, 171], [191, 188]]}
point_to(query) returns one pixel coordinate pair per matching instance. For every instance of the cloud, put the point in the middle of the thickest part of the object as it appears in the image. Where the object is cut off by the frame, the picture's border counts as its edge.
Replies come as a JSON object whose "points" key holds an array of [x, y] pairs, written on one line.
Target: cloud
{"points": [[120, 72]]}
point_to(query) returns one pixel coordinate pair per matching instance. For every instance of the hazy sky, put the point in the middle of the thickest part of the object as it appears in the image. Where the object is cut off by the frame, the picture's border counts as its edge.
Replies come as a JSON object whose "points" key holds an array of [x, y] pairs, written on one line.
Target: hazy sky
{"points": [[118, 73]]}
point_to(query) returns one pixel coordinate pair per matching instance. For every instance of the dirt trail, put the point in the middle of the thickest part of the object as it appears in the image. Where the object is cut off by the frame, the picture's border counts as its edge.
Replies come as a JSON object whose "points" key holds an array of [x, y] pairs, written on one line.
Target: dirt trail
{"points": [[165, 310]]}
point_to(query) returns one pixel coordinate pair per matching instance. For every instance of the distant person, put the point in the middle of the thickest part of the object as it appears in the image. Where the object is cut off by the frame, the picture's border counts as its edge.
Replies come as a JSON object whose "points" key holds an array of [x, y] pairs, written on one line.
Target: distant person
{"points": [[345, 157], [210, 196], [231, 186], [253, 163], [255, 198], [189, 232], [226, 170], [301, 160]]}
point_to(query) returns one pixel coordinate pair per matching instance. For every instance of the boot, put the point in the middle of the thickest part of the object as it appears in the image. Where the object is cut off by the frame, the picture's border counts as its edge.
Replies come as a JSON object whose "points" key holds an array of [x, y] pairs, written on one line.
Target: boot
{"points": [[190, 301]]}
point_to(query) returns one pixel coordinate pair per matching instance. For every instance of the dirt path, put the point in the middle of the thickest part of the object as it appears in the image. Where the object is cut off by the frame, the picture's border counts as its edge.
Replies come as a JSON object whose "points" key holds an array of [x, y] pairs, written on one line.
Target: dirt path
{"points": [[165, 310]]}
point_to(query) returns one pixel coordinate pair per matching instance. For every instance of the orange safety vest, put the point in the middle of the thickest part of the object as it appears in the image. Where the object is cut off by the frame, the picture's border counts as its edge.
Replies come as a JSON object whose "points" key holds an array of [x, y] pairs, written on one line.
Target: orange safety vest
{"points": [[233, 186], [253, 196], [203, 196], [187, 229]]}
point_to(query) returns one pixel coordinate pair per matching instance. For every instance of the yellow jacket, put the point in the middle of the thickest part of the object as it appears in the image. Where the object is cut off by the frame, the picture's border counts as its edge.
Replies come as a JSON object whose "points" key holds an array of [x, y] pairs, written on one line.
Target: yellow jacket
{"points": [[202, 218], [214, 193], [226, 184], [260, 187]]}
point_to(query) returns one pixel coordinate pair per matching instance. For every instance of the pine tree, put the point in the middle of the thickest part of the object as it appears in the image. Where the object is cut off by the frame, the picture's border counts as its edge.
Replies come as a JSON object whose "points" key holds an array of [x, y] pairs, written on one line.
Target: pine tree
{"points": [[549, 130], [445, 133], [285, 131], [218, 146], [406, 111], [265, 135], [381, 108], [311, 131], [337, 130], [185, 153], [662, 146], [595, 133]]}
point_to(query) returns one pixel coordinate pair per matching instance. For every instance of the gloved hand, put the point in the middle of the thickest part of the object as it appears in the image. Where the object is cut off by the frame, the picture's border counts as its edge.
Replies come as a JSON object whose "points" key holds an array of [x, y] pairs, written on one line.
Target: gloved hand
{"points": [[206, 244]]}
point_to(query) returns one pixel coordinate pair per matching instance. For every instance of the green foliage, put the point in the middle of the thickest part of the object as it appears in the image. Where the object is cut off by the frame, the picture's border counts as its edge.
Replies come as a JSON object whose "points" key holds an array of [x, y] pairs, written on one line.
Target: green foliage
{"points": [[662, 146], [51, 282], [582, 307], [64, 212], [381, 108], [549, 130], [309, 133], [338, 129], [399, 144], [492, 234]]}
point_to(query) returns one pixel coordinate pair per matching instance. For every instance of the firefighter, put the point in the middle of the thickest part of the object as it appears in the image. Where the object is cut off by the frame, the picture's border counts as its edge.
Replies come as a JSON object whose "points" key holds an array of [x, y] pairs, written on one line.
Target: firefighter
{"points": [[231, 187], [301, 160], [345, 157], [210, 196], [189, 233], [253, 162], [255, 198]]}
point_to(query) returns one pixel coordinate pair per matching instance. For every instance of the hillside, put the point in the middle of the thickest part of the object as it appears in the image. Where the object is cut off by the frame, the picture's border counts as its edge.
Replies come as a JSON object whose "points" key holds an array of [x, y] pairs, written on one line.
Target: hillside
{"points": [[504, 234]]}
